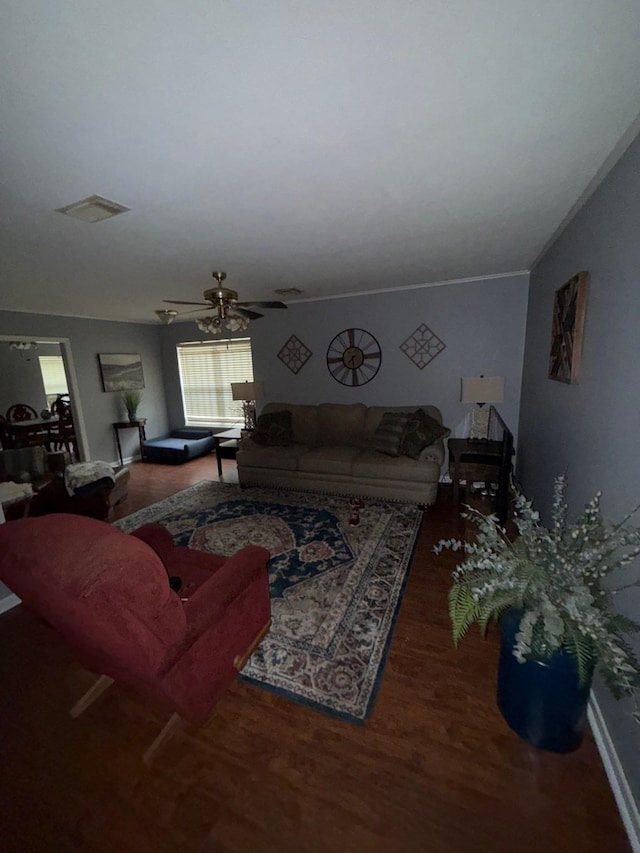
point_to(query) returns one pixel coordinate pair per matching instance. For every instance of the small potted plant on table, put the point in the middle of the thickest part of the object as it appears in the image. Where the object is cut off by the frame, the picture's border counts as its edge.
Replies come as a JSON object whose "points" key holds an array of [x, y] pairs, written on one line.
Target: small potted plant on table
{"points": [[557, 618], [131, 402]]}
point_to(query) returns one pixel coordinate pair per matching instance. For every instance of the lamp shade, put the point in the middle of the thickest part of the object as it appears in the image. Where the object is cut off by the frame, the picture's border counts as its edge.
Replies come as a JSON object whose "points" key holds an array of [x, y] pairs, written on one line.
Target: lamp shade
{"points": [[246, 390], [482, 389]]}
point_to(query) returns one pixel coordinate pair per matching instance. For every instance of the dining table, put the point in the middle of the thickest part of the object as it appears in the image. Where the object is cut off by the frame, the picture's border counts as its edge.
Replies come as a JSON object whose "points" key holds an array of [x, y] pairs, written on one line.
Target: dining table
{"points": [[33, 432]]}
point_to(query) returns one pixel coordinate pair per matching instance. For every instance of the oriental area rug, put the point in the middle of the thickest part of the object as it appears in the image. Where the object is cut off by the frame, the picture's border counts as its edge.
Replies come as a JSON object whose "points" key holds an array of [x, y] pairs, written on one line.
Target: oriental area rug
{"points": [[336, 588]]}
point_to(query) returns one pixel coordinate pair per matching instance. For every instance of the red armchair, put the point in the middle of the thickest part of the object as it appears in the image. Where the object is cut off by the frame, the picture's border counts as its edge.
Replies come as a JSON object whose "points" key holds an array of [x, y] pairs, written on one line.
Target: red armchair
{"points": [[107, 594]]}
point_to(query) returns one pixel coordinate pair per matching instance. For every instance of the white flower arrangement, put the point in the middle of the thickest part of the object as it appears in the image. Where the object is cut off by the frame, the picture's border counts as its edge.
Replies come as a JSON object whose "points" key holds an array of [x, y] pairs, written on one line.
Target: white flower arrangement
{"points": [[554, 577]]}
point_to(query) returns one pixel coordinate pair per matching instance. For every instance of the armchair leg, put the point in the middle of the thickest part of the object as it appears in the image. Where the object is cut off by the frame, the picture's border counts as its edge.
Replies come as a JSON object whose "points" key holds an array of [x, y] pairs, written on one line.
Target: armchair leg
{"points": [[240, 660], [96, 690], [174, 724]]}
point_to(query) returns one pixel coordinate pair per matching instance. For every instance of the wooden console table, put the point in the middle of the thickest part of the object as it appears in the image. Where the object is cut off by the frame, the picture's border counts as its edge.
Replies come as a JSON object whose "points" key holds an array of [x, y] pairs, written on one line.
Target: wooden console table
{"points": [[483, 459], [476, 458], [139, 425]]}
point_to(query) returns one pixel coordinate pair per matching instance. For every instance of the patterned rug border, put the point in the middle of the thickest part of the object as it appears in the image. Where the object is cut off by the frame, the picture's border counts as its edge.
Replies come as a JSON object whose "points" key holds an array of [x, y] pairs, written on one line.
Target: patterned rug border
{"points": [[181, 500], [373, 696], [127, 522]]}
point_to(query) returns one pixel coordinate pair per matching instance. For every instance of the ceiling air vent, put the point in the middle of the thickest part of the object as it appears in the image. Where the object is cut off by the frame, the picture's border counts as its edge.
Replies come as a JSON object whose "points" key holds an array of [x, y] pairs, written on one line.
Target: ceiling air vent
{"points": [[95, 208], [288, 291]]}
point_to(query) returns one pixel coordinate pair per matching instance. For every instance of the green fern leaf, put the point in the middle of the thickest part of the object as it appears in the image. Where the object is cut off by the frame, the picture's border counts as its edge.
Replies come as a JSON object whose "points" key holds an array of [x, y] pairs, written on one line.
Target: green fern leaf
{"points": [[582, 649], [462, 610]]}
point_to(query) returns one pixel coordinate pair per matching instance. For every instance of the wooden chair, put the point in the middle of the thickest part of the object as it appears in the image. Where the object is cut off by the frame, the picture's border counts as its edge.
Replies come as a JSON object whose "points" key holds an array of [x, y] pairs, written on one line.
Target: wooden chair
{"points": [[62, 402], [21, 412], [6, 436], [63, 437]]}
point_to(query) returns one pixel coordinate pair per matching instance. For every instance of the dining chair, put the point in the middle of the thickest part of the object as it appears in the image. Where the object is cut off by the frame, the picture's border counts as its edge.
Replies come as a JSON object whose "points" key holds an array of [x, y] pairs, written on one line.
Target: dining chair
{"points": [[60, 404], [63, 434], [21, 412], [6, 436]]}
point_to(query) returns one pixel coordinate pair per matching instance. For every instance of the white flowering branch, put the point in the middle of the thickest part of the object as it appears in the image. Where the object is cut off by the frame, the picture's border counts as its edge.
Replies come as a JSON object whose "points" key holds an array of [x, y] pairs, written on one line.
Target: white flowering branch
{"points": [[555, 578]]}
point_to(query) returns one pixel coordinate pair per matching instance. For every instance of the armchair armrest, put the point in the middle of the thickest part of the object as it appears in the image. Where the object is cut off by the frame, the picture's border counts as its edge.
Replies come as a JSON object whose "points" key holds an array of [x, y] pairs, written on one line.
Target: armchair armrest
{"points": [[433, 453], [245, 568], [193, 567]]}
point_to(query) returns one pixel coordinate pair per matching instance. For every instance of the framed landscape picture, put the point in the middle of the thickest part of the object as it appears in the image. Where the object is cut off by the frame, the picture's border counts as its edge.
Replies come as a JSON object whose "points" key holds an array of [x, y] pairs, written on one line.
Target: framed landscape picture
{"points": [[121, 371], [568, 328]]}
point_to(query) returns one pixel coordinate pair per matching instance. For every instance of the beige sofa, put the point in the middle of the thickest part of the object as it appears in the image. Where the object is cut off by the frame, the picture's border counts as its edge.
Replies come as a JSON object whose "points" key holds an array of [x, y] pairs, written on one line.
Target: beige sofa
{"points": [[330, 453]]}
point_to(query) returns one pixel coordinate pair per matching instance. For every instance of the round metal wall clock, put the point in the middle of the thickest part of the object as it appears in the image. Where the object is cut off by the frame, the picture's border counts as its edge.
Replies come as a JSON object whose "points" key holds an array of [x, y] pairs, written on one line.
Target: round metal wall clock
{"points": [[353, 357]]}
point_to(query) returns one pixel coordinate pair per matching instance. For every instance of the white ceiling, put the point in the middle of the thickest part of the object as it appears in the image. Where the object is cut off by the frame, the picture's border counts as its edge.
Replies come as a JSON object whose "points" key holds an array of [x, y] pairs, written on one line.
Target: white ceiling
{"points": [[339, 146]]}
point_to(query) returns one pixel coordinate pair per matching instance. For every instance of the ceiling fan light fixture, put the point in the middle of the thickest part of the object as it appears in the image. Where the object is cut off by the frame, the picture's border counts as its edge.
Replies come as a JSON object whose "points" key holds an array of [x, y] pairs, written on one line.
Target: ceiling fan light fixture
{"points": [[210, 325], [235, 323], [214, 325], [231, 313], [166, 315]]}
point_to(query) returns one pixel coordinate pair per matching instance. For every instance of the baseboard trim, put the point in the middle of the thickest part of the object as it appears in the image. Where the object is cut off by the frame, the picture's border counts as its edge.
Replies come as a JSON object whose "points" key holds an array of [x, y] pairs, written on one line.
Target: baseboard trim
{"points": [[9, 602], [615, 773]]}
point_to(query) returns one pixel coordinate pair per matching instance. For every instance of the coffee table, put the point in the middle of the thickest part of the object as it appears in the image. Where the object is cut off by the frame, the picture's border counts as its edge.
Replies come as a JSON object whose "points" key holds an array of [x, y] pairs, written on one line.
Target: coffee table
{"points": [[227, 435]]}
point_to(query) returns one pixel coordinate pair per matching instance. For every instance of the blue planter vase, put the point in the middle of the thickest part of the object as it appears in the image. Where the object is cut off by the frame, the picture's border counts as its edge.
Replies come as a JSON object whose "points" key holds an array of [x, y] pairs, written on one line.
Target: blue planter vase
{"points": [[542, 701]]}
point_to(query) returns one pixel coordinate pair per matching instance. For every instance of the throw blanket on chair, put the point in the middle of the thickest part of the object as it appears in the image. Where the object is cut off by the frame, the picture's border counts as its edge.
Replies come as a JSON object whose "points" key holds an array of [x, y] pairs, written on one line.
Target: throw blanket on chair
{"points": [[82, 477]]}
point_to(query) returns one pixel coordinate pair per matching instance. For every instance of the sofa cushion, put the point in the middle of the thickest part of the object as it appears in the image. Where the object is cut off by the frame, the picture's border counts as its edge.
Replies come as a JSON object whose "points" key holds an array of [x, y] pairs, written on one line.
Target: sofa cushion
{"points": [[388, 436], [375, 413], [304, 421], [421, 431], [329, 460], [373, 465], [282, 458], [273, 429], [341, 424]]}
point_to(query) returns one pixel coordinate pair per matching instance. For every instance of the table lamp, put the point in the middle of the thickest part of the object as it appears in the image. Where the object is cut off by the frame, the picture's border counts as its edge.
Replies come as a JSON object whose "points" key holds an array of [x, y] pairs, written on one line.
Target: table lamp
{"points": [[481, 390], [248, 392]]}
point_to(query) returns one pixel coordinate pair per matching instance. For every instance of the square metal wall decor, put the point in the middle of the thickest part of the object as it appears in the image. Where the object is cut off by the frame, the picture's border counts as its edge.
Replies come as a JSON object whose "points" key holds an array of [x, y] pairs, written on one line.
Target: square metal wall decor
{"points": [[568, 328], [422, 346], [294, 354]]}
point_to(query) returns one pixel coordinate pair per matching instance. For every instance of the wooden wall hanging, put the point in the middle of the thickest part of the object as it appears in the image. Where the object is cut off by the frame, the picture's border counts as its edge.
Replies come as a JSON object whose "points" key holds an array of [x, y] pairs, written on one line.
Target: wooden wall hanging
{"points": [[568, 327]]}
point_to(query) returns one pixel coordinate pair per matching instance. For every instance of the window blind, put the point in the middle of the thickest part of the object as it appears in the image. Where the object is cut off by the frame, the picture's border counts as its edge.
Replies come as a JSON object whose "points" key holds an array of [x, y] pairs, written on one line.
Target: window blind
{"points": [[207, 370], [53, 376]]}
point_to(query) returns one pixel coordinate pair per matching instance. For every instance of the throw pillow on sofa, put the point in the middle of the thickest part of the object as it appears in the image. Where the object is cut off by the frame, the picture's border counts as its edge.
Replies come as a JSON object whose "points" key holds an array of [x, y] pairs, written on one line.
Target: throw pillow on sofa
{"points": [[421, 431], [273, 429], [388, 436]]}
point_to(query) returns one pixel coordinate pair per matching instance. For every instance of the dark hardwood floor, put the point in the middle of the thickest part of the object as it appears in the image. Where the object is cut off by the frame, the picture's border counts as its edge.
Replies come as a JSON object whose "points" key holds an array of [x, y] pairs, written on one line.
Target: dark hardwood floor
{"points": [[434, 769]]}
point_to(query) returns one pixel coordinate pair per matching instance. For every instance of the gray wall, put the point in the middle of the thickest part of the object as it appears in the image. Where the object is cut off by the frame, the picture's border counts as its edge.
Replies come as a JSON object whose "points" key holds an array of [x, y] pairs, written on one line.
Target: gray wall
{"points": [[482, 324], [21, 378], [87, 339], [590, 430]]}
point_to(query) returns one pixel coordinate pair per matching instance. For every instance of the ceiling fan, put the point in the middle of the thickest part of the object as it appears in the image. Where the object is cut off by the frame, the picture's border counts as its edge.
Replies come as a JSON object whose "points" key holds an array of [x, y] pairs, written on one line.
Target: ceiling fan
{"points": [[232, 314]]}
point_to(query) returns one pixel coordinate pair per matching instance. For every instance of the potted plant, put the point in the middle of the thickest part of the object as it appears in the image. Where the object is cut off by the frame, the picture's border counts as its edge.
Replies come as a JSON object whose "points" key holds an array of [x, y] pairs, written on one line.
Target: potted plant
{"points": [[557, 619], [132, 401]]}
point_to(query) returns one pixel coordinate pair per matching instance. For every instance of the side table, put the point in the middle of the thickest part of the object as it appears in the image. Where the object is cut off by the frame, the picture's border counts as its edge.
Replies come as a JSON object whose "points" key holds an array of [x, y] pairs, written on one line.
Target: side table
{"points": [[474, 457], [139, 425], [233, 434]]}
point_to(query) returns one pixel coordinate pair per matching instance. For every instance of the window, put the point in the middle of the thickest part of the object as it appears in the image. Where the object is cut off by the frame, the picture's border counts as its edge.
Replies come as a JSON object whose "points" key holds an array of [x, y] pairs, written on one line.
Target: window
{"points": [[53, 376], [207, 370]]}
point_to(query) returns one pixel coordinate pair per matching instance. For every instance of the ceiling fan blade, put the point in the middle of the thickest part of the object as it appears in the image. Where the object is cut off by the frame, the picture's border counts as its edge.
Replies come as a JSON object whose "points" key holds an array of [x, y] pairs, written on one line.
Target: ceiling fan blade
{"points": [[264, 304], [182, 302], [197, 310], [251, 315]]}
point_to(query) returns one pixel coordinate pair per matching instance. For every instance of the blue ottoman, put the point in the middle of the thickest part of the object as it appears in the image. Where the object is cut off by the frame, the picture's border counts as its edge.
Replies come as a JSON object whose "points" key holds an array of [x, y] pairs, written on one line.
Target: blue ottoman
{"points": [[179, 445]]}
